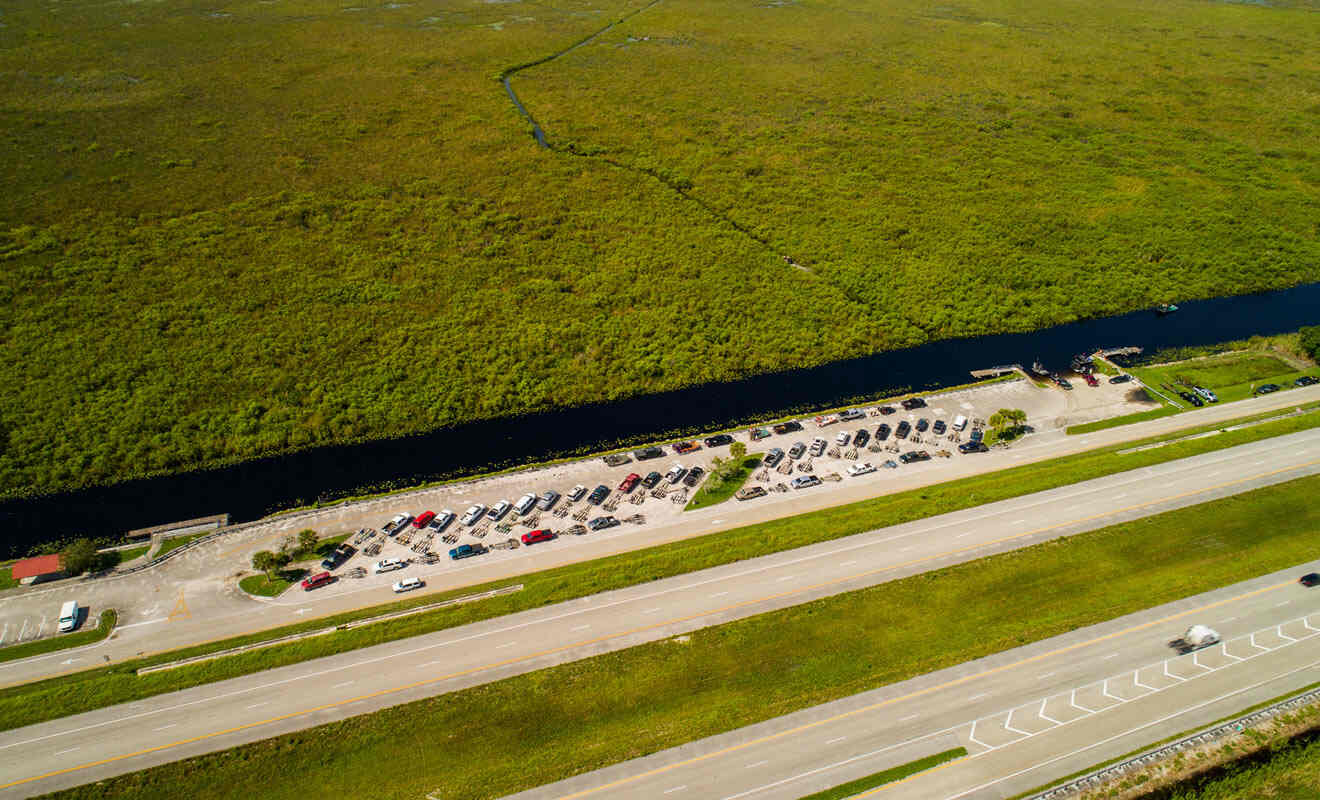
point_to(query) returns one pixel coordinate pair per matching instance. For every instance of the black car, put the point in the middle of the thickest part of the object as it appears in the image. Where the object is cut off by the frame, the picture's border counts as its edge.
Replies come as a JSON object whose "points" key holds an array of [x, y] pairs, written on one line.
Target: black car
{"points": [[773, 457], [598, 495], [913, 402], [922, 425], [977, 433], [973, 447], [651, 479], [887, 410], [1191, 398], [718, 440], [939, 427], [1310, 579], [341, 554], [693, 477], [787, 427], [797, 450], [601, 523], [904, 428], [861, 438], [915, 455], [882, 433], [1306, 380], [1267, 388], [1120, 379], [648, 452]]}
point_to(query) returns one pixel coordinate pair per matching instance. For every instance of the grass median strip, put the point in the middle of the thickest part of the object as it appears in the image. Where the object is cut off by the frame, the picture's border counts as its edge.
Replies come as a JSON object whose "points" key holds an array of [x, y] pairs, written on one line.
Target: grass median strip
{"points": [[852, 788], [62, 642], [565, 720], [83, 691]]}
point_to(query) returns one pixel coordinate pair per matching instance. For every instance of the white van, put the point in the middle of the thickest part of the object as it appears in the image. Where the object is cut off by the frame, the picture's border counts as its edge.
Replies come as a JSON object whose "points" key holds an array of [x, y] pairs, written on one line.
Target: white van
{"points": [[959, 422], [69, 616]]}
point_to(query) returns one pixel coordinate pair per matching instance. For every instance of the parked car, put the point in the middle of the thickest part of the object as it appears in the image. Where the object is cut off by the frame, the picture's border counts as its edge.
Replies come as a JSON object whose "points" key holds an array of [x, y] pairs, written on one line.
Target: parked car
{"points": [[861, 437], [317, 580], [1267, 388], [882, 432], [340, 554], [1061, 381], [913, 402], [423, 519], [841, 439], [1206, 394], [675, 474], [718, 440], [498, 510], [388, 565], [683, 448], [525, 503], [473, 513], [598, 495], [407, 585], [538, 536], [849, 414], [773, 457], [648, 453], [806, 481], [825, 420], [939, 427], [467, 551], [757, 434], [651, 479], [914, 456], [616, 459], [887, 410], [629, 483], [548, 500], [1120, 378], [1191, 398], [397, 524], [865, 468], [922, 425], [442, 520], [750, 493], [1306, 380], [693, 477], [575, 494], [973, 447], [797, 450], [1310, 579], [601, 523], [977, 434], [818, 446], [904, 428], [890, 464], [791, 426], [1090, 379]]}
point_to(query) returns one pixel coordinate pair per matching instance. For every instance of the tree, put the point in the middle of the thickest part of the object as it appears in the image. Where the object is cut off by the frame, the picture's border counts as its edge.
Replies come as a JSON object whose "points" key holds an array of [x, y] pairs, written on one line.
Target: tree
{"points": [[1006, 424], [1310, 341], [736, 451], [307, 539], [267, 562], [78, 556]]}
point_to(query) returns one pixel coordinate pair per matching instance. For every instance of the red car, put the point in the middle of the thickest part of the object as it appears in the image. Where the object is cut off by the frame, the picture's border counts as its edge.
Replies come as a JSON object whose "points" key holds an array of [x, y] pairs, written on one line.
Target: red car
{"points": [[422, 519], [1090, 379], [630, 482], [319, 579], [537, 536]]}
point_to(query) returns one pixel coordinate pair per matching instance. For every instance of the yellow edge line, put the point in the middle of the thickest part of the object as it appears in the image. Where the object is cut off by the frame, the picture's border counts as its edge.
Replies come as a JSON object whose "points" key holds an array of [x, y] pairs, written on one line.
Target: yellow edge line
{"points": [[731, 607]]}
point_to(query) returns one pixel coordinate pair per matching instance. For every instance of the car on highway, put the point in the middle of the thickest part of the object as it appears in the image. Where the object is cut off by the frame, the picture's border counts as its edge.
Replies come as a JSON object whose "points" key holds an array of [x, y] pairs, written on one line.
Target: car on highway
{"points": [[442, 520], [849, 414], [1267, 388], [473, 513], [939, 427], [1306, 380], [575, 494], [340, 554], [1120, 378], [1090, 379], [805, 481], [864, 468], [675, 474], [538, 536], [773, 457], [914, 456], [882, 432], [841, 439], [693, 477], [683, 448], [792, 426], [629, 483], [467, 551], [547, 500], [388, 565], [973, 447], [913, 402], [718, 440], [525, 503], [887, 410], [648, 453], [601, 523], [818, 446], [904, 428], [423, 519], [1310, 579], [651, 479], [497, 511], [797, 450], [598, 495], [315, 581], [861, 438], [922, 425], [750, 493], [407, 585]]}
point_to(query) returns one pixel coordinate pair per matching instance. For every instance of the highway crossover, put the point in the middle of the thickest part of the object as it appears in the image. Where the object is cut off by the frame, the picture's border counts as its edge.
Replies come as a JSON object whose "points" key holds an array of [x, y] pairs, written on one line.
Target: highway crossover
{"points": [[124, 738]]}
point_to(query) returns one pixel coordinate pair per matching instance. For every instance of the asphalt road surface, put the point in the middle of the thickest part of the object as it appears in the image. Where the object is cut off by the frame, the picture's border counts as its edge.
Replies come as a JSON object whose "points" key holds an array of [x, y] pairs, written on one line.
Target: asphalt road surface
{"points": [[110, 741]]}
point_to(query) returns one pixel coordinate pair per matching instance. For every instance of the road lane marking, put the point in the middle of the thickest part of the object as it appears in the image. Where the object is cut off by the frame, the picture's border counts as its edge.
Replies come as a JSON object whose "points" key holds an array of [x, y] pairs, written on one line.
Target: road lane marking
{"points": [[757, 764], [505, 645], [579, 628], [1111, 655], [909, 717], [836, 741], [62, 752], [166, 727], [675, 789], [342, 685]]}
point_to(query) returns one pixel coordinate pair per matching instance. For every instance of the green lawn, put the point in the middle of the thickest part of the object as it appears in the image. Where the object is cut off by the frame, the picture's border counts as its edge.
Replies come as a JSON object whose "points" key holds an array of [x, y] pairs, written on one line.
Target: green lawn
{"points": [[7, 577], [62, 641], [177, 542], [260, 586], [710, 493], [322, 549], [1232, 376], [852, 788], [96, 688], [564, 720], [1287, 771]]}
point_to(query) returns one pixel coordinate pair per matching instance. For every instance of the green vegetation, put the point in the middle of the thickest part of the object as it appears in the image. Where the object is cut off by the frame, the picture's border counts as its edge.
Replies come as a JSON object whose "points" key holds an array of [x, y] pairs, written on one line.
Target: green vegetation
{"points": [[317, 549], [7, 576], [359, 239], [1006, 424], [725, 479], [846, 790], [62, 641], [125, 556], [83, 691], [1287, 770], [568, 719], [78, 557], [178, 541], [1231, 376], [1164, 410], [271, 584]]}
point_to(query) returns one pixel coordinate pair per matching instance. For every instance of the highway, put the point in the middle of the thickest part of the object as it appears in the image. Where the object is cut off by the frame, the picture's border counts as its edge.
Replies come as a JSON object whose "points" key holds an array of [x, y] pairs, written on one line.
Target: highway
{"points": [[90, 746]]}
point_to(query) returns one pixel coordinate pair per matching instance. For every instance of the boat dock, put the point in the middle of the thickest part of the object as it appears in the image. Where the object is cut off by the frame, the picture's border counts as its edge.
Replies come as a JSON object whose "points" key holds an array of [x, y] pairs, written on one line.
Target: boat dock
{"points": [[995, 372]]}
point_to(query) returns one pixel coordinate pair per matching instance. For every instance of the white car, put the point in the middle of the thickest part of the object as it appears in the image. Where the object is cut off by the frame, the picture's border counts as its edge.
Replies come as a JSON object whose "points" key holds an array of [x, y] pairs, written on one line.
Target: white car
{"points": [[388, 565], [498, 510], [525, 503], [575, 494], [473, 514], [407, 585], [842, 439], [675, 473], [861, 469], [442, 520], [818, 446]]}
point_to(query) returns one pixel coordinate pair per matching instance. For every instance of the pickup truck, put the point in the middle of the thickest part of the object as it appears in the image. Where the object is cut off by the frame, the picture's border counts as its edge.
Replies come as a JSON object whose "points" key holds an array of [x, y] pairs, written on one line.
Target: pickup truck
{"points": [[341, 554], [467, 551], [397, 524]]}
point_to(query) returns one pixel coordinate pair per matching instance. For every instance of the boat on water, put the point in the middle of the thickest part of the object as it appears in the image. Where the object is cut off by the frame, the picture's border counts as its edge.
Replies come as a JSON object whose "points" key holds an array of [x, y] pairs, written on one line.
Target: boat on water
{"points": [[1165, 308], [1039, 370]]}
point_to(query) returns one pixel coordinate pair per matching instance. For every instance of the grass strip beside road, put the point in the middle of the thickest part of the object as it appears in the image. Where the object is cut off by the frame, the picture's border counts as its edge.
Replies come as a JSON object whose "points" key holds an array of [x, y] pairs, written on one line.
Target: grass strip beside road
{"points": [[584, 715], [710, 493], [890, 775], [177, 542], [62, 642], [75, 693]]}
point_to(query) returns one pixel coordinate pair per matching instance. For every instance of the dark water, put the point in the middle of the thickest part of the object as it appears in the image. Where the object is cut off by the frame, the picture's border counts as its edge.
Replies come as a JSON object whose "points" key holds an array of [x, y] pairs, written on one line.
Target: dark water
{"points": [[250, 490]]}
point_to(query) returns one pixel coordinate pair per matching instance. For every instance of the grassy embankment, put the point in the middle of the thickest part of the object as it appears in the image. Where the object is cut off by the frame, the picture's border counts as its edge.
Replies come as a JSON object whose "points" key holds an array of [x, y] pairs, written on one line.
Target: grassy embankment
{"points": [[64, 641], [564, 720], [1290, 771], [262, 586], [176, 542], [82, 691], [711, 493], [852, 788], [374, 203]]}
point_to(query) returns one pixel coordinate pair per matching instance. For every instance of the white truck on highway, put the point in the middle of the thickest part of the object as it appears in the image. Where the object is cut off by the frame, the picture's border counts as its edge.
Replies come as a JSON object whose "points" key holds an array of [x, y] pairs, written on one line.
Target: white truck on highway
{"points": [[1196, 638]]}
